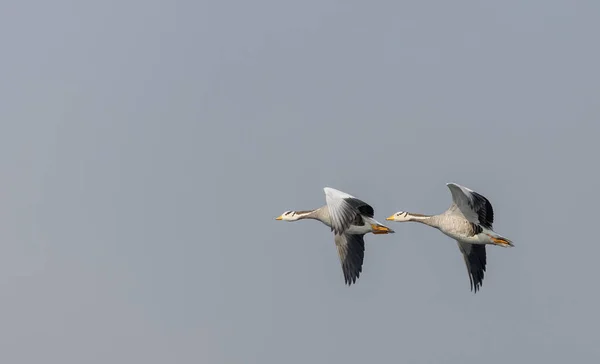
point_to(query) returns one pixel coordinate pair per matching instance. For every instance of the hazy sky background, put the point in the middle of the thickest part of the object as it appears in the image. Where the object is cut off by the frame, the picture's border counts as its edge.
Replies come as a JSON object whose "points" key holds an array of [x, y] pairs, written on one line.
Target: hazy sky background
{"points": [[147, 146]]}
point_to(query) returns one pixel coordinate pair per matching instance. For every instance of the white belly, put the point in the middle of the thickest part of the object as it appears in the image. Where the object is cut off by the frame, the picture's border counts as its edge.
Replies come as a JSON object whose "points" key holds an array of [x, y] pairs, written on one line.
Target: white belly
{"points": [[366, 228], [476, 239], [353, 229]]}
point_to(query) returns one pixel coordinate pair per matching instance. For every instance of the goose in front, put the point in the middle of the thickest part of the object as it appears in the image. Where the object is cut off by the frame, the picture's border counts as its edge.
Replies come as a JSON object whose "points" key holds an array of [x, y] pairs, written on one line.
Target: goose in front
{"points": [[469, 221], [350, 219]]}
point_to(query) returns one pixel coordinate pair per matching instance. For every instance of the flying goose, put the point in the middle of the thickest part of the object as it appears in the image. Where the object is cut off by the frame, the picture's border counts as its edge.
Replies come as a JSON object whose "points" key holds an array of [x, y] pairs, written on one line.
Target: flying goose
{"points": [[469, 221], [350, 219]]}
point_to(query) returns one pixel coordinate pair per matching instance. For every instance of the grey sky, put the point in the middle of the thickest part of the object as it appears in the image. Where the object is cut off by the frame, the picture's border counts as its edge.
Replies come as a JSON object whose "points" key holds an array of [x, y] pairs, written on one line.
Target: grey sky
{"points": [[147, 146]]}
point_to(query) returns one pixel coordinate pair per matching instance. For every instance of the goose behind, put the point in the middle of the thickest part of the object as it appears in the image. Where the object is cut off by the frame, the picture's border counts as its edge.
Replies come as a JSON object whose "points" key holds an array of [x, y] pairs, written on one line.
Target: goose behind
{"points": [[469, 221]]}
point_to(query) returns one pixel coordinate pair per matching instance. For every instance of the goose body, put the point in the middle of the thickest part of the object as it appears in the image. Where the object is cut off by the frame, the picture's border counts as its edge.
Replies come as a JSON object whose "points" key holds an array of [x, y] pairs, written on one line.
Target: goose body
{"points": [[469, 221], [349, 219]]}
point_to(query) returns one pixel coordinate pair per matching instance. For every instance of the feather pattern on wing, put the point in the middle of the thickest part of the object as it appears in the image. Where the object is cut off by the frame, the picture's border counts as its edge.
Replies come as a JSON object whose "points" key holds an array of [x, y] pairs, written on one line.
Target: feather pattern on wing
{"points": [[351, 249], [475, 260], [475, 207], [344, 208]]}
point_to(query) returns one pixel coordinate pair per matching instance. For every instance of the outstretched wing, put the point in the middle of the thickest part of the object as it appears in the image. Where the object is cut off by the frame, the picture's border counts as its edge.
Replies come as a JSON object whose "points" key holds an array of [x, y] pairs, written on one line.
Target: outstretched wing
{"points": [[351, 249], [475, 260], [343, 209], [476, 208]]}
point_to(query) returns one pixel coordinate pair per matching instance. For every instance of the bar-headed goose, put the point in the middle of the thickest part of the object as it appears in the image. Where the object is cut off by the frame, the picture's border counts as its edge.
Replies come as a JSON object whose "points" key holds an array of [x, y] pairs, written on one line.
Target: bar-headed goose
{"points": [[350, 219], [469, 221]]}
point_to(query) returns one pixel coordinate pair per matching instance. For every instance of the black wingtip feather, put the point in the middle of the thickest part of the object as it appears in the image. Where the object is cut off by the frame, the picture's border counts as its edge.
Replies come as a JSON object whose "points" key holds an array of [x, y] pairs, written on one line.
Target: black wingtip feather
{"points": [[477, 261], [484, 209], [354, 258], [363, 207]]}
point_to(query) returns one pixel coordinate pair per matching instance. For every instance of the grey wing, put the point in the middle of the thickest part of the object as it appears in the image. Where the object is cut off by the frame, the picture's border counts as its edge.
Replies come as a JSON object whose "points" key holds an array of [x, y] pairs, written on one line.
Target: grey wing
{"points": [[475, 260], [476, 208], [344, 208], [351, 250]]}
